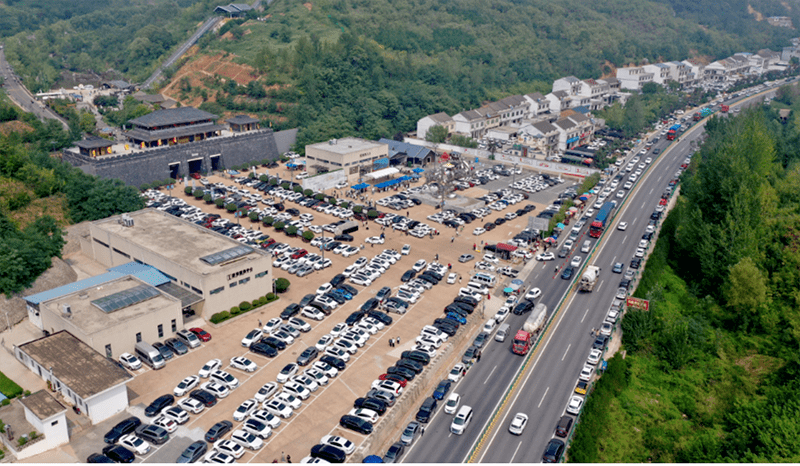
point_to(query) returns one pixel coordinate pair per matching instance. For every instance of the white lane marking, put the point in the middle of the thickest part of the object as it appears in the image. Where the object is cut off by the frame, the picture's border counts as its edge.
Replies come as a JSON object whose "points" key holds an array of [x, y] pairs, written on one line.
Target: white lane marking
{"points": [[490, 375], [543, 396], [599, 286], [623, 239], [515, 452], [584, 315], [651, 191], [567, 351]]}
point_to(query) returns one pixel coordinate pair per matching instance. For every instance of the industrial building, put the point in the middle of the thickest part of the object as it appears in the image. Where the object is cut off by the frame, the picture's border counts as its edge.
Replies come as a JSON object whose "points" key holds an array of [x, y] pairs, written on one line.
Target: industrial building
{"points": [[357, 157]]}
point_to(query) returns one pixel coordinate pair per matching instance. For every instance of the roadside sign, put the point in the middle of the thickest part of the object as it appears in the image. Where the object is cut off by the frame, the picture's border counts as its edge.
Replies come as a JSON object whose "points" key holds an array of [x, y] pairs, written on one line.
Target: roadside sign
{"points": [[637, 303]]}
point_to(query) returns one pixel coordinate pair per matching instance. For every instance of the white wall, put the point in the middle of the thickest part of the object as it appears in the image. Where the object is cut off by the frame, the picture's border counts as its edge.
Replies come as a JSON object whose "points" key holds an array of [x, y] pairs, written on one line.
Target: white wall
{"points": [[108, 403], [54, 435]]}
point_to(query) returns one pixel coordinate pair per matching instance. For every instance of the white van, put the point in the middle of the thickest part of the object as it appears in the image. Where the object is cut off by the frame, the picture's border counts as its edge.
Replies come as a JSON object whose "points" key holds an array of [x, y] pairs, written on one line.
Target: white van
{"points": [[502, 332], [461, 420], [587, 246], [149, 355], [486, 279]]}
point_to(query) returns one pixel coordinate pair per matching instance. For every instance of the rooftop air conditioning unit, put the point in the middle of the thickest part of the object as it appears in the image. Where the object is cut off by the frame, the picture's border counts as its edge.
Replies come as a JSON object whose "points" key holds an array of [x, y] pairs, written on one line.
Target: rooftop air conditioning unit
{"points": [[66, 311]]}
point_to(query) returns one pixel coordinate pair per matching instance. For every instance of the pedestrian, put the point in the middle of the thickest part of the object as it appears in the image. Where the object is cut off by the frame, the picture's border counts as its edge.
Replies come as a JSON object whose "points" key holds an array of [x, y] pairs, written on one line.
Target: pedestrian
{"points": [[283, 457], [556, 269], [453, 238], [474, 247], [459, 279], [288, 458], [391, 343], [408, 214], [259, 323], [422, 432], [479, 358], [397, 340], [437, 257], [449, 266]]}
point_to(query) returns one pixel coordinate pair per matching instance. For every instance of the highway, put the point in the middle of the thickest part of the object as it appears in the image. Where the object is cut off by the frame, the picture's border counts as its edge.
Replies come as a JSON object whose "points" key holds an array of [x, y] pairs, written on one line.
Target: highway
{"points": [[545, 389]]}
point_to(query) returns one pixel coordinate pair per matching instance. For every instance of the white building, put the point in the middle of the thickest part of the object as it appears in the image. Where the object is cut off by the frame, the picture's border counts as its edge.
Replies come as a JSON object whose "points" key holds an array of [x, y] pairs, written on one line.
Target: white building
{"points": [[660, 71], [85, 378], [437, 119], [48, 417], [634, 77]]}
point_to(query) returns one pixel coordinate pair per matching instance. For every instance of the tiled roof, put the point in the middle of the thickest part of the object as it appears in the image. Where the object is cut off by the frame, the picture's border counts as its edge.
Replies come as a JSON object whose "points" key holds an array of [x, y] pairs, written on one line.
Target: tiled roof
{"points": [[173, 116]]}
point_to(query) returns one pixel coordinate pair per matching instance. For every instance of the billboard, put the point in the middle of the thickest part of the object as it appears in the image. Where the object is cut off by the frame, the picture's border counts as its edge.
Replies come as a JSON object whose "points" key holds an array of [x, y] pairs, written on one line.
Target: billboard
{"points": [[637, 303]]}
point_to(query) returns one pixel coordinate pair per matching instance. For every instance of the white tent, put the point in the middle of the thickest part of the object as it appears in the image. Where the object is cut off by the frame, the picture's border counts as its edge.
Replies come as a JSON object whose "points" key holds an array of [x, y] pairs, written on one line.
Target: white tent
{"points": [[378, 174]]}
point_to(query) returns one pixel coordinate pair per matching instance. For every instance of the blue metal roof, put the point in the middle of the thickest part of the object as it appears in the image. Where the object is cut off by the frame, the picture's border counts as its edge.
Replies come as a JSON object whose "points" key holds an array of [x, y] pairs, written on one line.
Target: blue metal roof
{"points": [[73, 287], [146, 273]]}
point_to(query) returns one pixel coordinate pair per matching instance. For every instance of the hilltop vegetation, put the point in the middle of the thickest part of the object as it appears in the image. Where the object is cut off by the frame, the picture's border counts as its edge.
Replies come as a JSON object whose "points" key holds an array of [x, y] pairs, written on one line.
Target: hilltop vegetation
{"points": [[711, 373]]}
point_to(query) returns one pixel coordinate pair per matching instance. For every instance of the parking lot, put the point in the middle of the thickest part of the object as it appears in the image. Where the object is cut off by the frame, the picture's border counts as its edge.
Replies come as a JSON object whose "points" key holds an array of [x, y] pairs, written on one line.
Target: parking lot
{"points": [[320, 413]]}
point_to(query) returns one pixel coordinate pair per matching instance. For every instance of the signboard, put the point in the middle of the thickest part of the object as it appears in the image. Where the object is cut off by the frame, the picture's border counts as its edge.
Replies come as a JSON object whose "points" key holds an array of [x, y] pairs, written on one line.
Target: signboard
{"points": [[536, 223], [637, 303]]}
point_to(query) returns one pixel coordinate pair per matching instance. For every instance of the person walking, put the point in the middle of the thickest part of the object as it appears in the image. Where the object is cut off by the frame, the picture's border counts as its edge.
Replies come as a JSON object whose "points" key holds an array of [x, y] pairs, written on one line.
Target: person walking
{"points": [[478, 358], [283, 457], [397, 340], [422, 432], [288, 458], [259, 323]]}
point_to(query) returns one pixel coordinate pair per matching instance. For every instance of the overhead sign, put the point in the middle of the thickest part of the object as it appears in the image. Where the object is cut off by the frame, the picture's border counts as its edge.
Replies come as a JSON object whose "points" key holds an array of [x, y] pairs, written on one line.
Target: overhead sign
{"points": [[637, 303]]}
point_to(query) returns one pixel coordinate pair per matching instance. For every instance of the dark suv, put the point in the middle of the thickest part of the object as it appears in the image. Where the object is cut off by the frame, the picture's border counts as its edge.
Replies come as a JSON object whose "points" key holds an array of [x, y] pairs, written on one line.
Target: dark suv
{"points": [[123, 428], [158, 405], [564, 425], [553, 451], [426, 410], [290, 311], [218, 430], [193, 452], [355, 423], [119, 454], [154, 434]]}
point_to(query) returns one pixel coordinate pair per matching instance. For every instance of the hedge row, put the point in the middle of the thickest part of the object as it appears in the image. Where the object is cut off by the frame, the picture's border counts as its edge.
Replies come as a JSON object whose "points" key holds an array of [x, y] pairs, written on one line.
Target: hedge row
{"points": [[243, 307]]}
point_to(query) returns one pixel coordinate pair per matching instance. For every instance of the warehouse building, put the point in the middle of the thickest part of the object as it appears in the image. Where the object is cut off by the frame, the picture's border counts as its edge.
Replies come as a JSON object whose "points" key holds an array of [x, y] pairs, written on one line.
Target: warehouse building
{"points": [[357, 157]]}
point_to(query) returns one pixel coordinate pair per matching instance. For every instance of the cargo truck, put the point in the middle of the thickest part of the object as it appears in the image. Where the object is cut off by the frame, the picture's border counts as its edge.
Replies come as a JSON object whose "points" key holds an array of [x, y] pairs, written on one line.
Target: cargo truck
{"points": [[599, 223], [724, 108], [589, 278], [524, 338]]}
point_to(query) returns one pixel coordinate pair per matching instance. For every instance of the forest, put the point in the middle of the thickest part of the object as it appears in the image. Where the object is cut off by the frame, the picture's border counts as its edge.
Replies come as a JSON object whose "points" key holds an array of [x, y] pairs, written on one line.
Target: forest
{"points": [[40, 194], [710, 373]]}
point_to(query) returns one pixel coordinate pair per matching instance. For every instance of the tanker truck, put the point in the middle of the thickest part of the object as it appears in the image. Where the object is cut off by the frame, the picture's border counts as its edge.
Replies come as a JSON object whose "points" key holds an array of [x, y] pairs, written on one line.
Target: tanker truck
{"points": [[523, 340]]}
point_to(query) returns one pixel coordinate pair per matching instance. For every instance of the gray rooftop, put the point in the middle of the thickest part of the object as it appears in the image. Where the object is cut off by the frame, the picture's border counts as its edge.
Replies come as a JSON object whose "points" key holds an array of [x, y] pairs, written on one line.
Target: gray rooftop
{"points": [[440, 117], [42, 404], [94, 143], [85, 371], [345, 145], [242, 120], [173, 116]]}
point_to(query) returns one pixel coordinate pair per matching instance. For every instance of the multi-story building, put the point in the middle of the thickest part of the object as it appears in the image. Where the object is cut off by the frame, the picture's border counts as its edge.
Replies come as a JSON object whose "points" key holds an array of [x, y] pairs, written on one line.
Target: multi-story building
{"points": [[634, 78], [357, 157], [437, 119]]}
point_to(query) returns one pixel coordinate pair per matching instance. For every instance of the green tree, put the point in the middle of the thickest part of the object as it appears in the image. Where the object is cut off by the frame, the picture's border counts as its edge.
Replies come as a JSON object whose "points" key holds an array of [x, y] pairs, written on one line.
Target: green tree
{"points": [[308, 235], [281, 285], [463, 141], [253, 216], [436, 134], [747, 293], [291, 230]]}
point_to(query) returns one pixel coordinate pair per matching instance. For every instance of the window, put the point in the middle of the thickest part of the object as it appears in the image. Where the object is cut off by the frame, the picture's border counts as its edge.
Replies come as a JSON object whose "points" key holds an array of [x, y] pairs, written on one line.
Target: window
{"points": [[160, 330], [244, 280], [109, 354], [174, 325], [138, 337], [260, 274], [216, 290], [54, 422], [233, 284]]}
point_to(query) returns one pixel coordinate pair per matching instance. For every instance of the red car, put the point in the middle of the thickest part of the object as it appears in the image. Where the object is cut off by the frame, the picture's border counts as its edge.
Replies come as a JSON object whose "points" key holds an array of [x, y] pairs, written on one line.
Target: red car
{"points": [[299, 254], [394, 378], [195, 176], [663, 202], [201, 334]]}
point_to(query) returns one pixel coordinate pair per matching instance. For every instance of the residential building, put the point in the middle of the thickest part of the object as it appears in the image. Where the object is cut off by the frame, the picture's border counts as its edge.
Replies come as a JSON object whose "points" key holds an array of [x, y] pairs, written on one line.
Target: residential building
{"points": [[85, 378], [569, 134], [634, 78], [401, 153], [660, 71], [780, 21], [540, 136], [470, 123], [538, 105], [355, 156], [437, 119]]}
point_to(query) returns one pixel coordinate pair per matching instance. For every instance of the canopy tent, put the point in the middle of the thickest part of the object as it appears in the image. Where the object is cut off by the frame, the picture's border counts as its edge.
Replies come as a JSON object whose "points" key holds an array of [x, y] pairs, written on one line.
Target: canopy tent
{"points": [[418, 170], [550, 239], [381, 163], [404, 178], [378, 174], [386, 184], [360, 186]]}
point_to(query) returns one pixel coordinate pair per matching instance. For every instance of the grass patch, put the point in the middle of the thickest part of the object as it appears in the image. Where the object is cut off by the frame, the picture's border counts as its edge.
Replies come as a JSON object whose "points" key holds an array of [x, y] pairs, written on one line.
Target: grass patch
{"points": [[8, 387]]}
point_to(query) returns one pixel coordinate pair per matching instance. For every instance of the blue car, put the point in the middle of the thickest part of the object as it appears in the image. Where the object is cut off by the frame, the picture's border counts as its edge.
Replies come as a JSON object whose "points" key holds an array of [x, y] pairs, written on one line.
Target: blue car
{"points": [[442, 389], [343, 293], [456, 317]]}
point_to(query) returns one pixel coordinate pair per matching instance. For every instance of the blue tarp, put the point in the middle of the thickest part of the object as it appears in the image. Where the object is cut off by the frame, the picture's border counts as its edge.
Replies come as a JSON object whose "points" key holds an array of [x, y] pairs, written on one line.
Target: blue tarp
{"points": [[418, 170], [381, 162], [386, 184], [360, 186]]}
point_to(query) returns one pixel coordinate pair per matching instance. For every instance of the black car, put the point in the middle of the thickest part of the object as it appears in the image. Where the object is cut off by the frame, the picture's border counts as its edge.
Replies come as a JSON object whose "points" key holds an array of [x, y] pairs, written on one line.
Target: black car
{"points": [[636, 263], [355, 423], [348, 289], [418, 356], [353, 318], [122, 428], [158, 405], [308, 355], [307, 300], [119, 454], [98, 458], [337, 280], [370, 304], [447, 321], [154, 434], [410, 364], [466, 299], [553, 451], [456, 309], [567, 273], [500, 221], [625, 284], [383, 294], [290, 311], [563, 426], [193, 452], [328, 453], [464, 306], [333, 361], [343, 238], [408, 276], [218, 430], [276, 343], [426, 410], [205, 397], [336, 297], [600, 342], [293, 212], [379, 406], [395, 372], [394, 452], [647, 236], [429, 277], [382, 317], [264, 349], [446, 328]]}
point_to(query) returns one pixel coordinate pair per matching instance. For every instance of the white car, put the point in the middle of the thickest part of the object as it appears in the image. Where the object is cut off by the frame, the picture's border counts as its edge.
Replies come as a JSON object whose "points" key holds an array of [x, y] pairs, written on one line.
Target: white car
{"points": [[518, 423], [456, 372], [297, 389], [479, 231], [341, 443], [419, 265], [244, 409], [247, 439], [317, 375], [266, 391], [586, 373], [252, 337], [290, 400], [210, 367], [622, 226], [185, 385], [324, 288], [375, 240], [191, 405], [216, 389], [278, 408], [229, 447], [452, 277], [324, 342], [639, 252], [451, 406], [406, 249], [594, 356], [306, 381], [224, 378], [135, 444], [299, 324], [338, 353], [576, 261], [502, 314], [606, 328], [489, 326], [426, 341], [177, 414], [243, 364], [547, 256], [287, 372], [533, 293], [272, 324], [257, 428], [388, 385], [575, 404], [365, 414], [166, 423], [312, 313], [266, 417], [326, 369], [130, 361]]}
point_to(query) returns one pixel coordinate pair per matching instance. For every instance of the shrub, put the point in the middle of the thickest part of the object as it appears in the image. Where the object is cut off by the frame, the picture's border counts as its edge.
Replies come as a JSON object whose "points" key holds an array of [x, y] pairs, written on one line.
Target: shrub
{"points": [[230, 207], [8, 387], [285, 185], [263, 178], [308, 193], [208, 199], [219, 202], [245, 306], [292, 230], [220, 317], [358, 209], [319, 197], [273, 181], [344, 204], [27, 393], [198, 193], [267, 220], [187, 190], [253, 216], [252, 175], [372, 214], [281, 285], [284, 158], [279, 226], [298, 189], [308, 235], [235, 311], [271, 297], [333, 201], [5, 402]]}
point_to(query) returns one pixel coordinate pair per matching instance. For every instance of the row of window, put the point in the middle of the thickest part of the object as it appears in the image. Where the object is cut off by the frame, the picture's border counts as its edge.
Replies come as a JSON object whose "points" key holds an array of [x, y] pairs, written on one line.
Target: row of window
{"points": [[174, 324]]}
